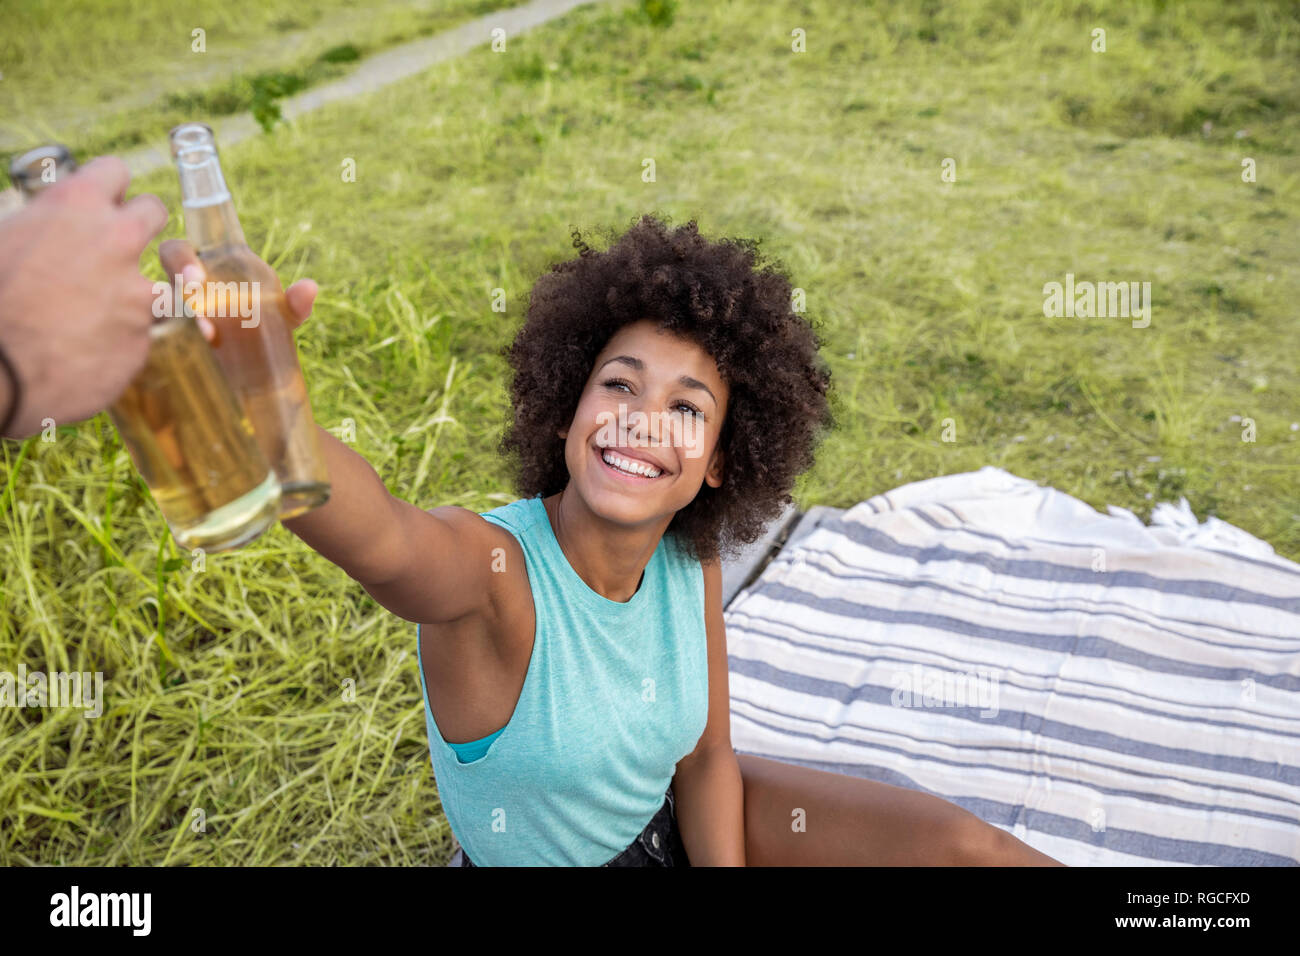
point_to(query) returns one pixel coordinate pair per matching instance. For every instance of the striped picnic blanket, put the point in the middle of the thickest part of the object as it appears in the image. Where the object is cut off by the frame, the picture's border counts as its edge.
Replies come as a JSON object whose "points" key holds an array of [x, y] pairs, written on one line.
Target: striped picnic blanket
{"points": [[1108, 692]]}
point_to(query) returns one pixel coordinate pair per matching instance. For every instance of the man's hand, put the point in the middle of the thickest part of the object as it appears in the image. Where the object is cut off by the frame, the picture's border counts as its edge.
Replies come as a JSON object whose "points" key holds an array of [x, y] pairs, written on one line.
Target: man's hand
{"points": [[74, 309], [178, 258]]}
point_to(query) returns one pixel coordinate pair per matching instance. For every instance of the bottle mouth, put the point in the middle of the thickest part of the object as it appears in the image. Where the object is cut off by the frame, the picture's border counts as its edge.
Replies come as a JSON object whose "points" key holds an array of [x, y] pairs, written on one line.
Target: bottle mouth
{"points": [[25, 170], [192, 142]]}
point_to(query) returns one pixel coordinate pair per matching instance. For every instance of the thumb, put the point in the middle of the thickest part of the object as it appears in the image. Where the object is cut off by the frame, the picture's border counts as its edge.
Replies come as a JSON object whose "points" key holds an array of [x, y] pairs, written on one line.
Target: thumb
{"points": [[300, 296]]}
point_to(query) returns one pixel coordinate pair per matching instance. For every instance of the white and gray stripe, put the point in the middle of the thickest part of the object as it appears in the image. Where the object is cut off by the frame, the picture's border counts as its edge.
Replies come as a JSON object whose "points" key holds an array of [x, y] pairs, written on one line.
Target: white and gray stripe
{"points": [[1146, 713]]}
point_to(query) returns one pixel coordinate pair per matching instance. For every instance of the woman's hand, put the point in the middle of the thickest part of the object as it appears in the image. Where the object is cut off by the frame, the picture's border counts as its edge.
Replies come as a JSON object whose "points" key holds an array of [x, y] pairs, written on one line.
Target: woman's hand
{"points": [[178, 258]]}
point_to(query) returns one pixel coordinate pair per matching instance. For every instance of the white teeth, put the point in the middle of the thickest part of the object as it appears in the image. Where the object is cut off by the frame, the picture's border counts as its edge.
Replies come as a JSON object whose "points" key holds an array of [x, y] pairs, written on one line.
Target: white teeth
{"points": [[632, 467]]}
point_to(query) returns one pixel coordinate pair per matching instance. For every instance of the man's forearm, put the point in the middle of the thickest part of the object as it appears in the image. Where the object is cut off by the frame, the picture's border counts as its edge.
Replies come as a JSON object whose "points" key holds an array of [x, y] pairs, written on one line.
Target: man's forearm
{"points": [[356, 529]]}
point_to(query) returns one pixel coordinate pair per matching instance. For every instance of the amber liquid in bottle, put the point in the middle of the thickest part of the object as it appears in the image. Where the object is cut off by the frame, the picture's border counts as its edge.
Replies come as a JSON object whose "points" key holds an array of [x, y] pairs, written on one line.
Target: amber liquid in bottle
{"points": [[245, 303], [192, 444], [182, 425]]}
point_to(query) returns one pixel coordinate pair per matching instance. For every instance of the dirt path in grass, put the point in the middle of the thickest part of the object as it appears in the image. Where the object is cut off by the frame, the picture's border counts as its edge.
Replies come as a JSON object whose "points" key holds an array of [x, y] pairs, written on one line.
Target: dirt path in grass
{"points": [[371, 74]]}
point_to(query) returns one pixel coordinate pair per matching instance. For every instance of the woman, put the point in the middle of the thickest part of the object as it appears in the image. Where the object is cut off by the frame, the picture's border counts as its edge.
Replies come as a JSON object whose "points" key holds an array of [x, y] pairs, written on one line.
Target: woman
{"points": [[571, 643]]}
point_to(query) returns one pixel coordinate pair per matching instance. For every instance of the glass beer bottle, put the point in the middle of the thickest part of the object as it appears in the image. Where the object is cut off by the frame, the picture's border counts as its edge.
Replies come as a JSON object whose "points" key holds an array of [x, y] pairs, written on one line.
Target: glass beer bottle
{"points": [[246, 305], [179, 420]]}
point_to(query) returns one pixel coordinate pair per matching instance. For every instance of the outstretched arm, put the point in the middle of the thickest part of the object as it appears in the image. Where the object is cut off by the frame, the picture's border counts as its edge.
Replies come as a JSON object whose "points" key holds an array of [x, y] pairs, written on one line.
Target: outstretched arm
{"points": [[424, 566]]}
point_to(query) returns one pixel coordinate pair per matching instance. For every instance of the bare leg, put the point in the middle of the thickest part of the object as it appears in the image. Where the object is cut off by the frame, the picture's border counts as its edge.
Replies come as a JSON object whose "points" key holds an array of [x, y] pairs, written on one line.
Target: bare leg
{"points": [[850, 821]]}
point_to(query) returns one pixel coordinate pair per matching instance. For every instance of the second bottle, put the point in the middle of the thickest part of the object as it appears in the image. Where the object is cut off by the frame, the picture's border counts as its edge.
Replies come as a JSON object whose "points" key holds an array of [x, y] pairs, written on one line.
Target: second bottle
{"points": [[245, 303]]}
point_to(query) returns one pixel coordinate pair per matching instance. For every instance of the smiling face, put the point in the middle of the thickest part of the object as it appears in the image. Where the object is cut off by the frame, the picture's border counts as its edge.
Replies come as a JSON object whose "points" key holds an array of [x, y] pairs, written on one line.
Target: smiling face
{"points": [[645, 434]]}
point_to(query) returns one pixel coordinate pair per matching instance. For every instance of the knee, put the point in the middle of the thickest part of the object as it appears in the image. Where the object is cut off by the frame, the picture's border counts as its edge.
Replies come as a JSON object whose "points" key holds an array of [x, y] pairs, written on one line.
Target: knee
{"points": [[976, 843]]}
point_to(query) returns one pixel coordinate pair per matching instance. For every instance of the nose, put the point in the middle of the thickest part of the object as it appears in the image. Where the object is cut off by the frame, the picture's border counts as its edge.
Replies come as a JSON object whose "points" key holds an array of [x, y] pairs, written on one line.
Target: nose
{"points": [[635, 426], [645, 427]]}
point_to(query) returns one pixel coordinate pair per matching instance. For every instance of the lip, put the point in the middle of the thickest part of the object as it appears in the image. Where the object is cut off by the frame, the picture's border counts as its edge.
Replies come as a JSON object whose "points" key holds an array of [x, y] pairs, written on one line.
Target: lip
{"points": [[609, 469], [635, 456]]}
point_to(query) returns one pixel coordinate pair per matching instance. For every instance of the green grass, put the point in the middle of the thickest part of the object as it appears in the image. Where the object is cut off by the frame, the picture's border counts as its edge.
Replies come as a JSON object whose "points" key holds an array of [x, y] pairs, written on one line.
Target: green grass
{"points": [[224, 686], [58, 86]]}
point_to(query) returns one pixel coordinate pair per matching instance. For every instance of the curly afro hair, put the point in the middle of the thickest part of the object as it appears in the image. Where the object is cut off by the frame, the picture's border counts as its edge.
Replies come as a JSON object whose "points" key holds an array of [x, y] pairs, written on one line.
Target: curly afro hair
{"points": [[720, 295]]}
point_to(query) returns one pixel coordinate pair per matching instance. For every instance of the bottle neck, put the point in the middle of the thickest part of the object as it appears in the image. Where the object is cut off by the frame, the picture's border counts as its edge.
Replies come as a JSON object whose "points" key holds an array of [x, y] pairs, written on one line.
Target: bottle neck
{"points": [[210, 219]]}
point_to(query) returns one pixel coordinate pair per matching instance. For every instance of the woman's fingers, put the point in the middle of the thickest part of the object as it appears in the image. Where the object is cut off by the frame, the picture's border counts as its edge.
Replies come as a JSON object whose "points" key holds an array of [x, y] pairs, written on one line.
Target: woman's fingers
{"points": [[207, 328], [193, 275], [175, 255], [179, 258], [301, 296]]}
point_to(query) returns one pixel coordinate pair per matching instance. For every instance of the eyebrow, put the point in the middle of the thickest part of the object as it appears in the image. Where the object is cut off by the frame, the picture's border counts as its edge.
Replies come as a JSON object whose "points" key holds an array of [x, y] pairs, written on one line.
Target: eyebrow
{"points": [[686, 381]]}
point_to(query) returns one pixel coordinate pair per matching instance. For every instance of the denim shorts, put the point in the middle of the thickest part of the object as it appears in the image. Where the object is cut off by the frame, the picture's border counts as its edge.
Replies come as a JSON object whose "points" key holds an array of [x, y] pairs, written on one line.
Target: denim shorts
{"points": [[660, 843]]}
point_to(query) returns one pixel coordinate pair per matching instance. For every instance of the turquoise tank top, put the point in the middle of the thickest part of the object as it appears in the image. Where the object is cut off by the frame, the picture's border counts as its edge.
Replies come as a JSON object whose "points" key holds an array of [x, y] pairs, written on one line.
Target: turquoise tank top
{"points": [[616, 693]]}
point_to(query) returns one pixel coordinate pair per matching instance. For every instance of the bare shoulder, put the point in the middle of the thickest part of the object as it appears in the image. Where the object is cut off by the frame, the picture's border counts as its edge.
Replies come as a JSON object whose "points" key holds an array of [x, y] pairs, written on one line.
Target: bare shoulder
{"points": [[495, 554], [468, 526], [453, 566], [472, 531]]}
